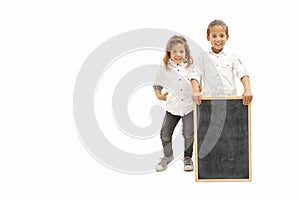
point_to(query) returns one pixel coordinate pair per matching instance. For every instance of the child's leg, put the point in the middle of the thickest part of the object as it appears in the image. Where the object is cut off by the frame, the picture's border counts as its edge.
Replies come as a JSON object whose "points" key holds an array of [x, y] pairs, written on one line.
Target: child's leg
{"points": [[169, 124], [188, 134]]}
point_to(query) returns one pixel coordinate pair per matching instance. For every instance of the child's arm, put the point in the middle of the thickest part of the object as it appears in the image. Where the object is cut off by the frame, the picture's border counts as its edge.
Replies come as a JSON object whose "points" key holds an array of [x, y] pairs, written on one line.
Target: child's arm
{"points": [[196, 91], [241, 72], [195, 77], [247, 95], [159, 95]]}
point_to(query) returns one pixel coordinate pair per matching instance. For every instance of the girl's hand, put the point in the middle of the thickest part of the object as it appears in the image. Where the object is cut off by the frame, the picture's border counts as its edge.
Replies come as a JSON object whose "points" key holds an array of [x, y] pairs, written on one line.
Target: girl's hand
{"points": [[247, 97], [163, 97]]}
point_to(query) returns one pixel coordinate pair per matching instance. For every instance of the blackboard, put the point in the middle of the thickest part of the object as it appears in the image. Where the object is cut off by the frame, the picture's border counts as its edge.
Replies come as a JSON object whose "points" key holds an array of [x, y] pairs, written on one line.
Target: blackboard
{"points": [[222, 140]]}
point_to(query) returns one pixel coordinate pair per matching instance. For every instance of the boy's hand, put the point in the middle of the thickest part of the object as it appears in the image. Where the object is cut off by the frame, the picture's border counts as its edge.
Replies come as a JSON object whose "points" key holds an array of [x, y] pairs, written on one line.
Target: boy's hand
{"points": [[197, 97], [247, 97], [197, 88]]}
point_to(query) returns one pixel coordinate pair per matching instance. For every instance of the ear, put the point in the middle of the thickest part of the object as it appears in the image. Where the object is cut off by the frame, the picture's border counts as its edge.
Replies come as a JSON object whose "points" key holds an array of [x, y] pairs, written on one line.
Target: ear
{"points": [[207, 37], [227, 37]]}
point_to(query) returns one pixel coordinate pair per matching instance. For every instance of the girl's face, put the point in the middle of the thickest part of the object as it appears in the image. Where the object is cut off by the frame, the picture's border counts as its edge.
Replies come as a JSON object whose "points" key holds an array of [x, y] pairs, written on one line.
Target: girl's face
{"points": [[177, 53], [217, 38]]}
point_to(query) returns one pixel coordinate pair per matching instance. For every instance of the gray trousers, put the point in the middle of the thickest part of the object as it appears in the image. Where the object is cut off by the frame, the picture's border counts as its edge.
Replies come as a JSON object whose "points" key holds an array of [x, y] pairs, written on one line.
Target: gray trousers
{"points": [[168, 126]]}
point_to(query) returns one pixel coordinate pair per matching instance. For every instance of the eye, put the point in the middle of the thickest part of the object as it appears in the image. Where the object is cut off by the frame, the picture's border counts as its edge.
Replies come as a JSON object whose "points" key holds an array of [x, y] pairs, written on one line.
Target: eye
{"points": [[181, 51], [222, 36]]}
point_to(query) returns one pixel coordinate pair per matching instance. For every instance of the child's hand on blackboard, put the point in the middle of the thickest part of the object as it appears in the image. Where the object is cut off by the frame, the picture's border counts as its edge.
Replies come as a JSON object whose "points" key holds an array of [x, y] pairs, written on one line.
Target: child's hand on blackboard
{"points": [[247, 97], [197, 97]]}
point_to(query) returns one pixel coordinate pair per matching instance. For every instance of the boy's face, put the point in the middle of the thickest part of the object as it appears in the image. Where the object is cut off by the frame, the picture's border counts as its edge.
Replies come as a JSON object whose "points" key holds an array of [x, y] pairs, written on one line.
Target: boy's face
{"points": [[217, 38], [177, 53]]}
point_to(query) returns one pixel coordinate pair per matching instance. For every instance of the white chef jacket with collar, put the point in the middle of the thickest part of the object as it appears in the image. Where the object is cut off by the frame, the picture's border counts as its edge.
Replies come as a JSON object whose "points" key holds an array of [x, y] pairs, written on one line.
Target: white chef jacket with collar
{"points": [[176, 81]]}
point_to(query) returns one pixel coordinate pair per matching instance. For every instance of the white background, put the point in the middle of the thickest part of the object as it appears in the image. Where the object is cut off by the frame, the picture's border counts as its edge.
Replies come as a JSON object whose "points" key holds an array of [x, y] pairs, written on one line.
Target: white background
{"points": [[42, 48]]}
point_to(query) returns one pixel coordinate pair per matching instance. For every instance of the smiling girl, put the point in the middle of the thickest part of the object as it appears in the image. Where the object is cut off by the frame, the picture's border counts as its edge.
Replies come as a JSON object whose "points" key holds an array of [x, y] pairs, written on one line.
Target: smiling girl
{"points": [[174, 76]]}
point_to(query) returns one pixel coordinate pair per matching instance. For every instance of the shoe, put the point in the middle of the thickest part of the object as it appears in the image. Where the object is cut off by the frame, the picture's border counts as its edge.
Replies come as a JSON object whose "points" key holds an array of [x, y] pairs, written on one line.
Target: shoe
{"points": [[188, 164], [162, 165]]}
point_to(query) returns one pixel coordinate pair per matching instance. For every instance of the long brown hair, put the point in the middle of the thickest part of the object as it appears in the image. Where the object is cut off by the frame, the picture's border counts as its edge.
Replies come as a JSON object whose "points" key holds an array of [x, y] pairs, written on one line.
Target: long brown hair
{"points": [[172, 41]]}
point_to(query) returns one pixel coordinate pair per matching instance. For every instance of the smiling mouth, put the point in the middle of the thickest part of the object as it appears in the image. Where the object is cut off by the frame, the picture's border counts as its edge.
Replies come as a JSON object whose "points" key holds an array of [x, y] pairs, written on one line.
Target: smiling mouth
{"points": [[178, 59]]}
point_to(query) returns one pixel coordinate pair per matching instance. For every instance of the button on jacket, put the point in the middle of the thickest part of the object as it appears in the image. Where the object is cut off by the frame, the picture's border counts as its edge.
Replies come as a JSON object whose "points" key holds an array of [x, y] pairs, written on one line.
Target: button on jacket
{"points": [[176, 81], [219, 72]]}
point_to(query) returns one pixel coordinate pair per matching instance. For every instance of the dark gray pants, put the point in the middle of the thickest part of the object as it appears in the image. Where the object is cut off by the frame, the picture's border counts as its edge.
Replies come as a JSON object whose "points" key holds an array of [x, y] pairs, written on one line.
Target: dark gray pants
{"points": [[168, 126]]}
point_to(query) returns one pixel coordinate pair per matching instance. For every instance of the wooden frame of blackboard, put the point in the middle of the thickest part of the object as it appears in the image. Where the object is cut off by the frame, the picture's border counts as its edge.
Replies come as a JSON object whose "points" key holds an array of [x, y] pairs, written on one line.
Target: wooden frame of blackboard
{"points": [[197, 179]]}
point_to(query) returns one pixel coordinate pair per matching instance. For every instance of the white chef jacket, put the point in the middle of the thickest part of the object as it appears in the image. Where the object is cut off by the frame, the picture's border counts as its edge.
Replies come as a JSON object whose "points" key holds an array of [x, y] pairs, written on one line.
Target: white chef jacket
{"points": [[219, 71], [176, 81]]}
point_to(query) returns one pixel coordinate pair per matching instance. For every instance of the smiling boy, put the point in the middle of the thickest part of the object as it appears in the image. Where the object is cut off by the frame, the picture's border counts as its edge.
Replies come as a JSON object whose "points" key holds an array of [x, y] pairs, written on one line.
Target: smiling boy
{"points": [[219, 68]]}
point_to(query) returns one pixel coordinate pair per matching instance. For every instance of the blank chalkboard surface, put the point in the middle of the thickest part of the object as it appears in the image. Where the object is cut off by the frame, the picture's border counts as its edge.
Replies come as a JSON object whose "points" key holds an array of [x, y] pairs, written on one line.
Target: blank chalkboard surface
{"points": [[223, 140]]}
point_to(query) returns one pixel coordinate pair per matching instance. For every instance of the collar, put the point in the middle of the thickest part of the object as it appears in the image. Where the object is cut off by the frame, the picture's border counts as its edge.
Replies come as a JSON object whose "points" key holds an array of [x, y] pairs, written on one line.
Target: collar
{"points": [[224, 51], [174, 64]]}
